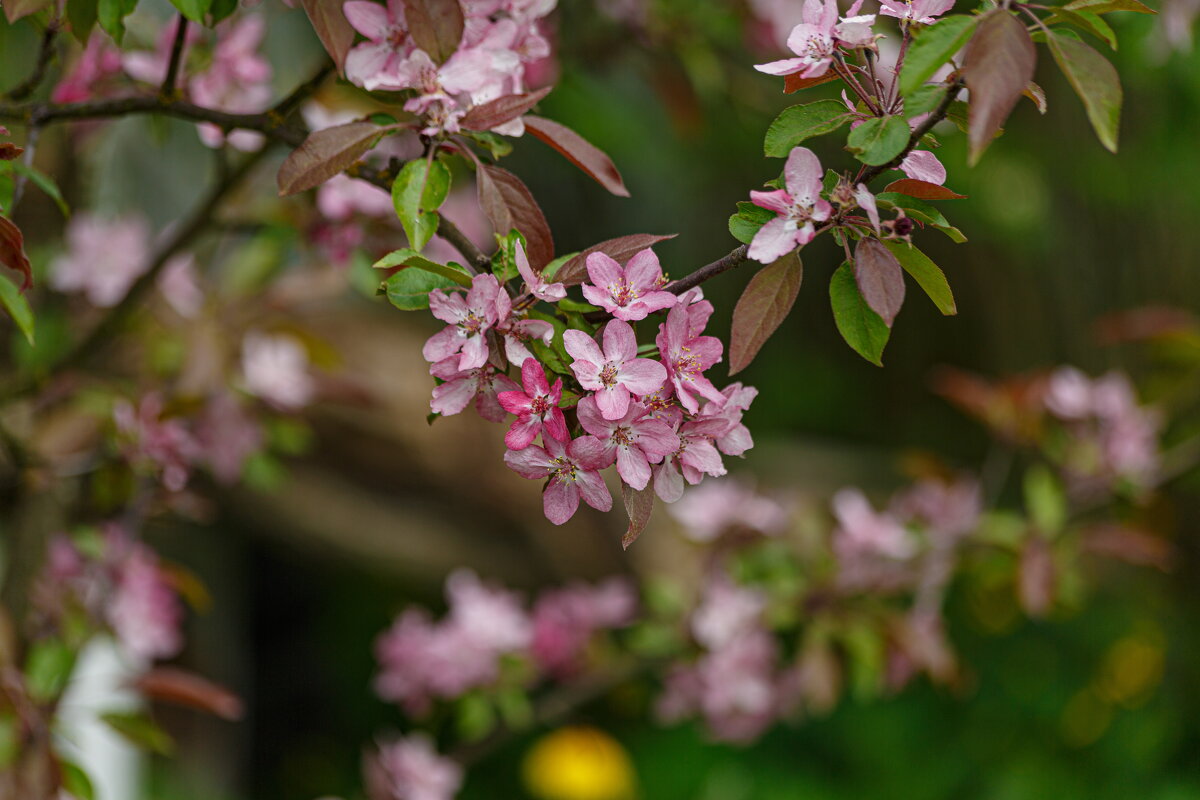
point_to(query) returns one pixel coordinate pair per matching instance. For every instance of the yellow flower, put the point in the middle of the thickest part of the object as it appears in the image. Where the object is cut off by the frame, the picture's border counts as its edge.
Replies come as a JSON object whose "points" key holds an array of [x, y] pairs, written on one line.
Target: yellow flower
{"points": [[579, 763]]}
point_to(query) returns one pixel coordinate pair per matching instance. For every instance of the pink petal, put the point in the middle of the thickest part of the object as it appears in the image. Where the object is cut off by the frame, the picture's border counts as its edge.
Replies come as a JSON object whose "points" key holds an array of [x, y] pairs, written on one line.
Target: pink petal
{"points": [[867, 201], [654, 301], [803, 175], [555, 424], [620, 343], [598, 297], [603, 270], [588, 375], [736, 442], [452, 397], [594, 492], [773, 241], [583, 347], [560, 501], [474, 352], [787, 66], [592, 420], [523, 431], [703, 456], [448, 307], [778, 200], [443, 344], [532, 462], [524, 268], [366, 64], [613, 401], [923, 165], [633, 467], [590, 452], [515, 402], [642, 375], [533, 378], [656, 437], [369, 19], [668, 483], [643, 271]]}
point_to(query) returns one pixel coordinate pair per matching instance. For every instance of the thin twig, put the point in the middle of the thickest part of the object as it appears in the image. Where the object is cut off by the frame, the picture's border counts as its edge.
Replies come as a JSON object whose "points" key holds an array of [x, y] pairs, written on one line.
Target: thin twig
{"points": [[22, 178], [30, 84], [168, 84]]}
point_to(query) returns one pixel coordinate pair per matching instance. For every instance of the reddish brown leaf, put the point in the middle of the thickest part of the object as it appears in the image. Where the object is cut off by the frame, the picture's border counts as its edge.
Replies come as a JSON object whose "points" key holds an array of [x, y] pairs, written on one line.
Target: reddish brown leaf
{"points": [[508, 203], [1131, 545], [620, 250], [880, 279], [1145, 323], [999, 64], [182, 688], [331, 27], [923, 190], [1035, 93], [435, 25], [639, 506], [15, 9], [326, 153], [794, 83], [764, 305], [578, 151], [12, 251], [10, 151], [501, 110]]}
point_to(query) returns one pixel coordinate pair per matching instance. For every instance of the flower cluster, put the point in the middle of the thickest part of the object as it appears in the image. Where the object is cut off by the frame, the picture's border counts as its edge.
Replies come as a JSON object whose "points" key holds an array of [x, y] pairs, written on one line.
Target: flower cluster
{"points": [[488, 639], [501, 40], [656, 419]]}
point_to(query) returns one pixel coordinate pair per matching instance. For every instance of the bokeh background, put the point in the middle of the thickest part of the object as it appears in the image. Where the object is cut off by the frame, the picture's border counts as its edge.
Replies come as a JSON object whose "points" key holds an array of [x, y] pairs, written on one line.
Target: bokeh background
{"points": [[309, 563]]}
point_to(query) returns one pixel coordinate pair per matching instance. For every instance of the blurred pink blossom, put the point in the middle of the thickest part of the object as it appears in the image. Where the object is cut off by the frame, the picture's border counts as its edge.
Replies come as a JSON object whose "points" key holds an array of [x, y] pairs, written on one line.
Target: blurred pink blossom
{"points": [[238, 81], [415, 771], [145, 612], [275, 369], [104, 257]]}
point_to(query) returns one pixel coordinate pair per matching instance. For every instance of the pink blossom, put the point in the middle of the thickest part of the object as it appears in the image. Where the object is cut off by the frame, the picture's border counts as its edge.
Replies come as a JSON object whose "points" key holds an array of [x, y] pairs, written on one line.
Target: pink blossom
{"points": [[715, 507], [686, 355], [923, 165], [179, 286], [461, 386], [534, 282], [469, 321], [565, 620], [103, 258], [866, 201], [736, 439], [629, 293], [164, 446], [238, 81], [516, 331], [695, 458], [861, 530], [227, 434], [275, 369], [923, 11], [1069, 394], [815, 39], [145, 612], [635, 441], [151, 67], [98, 61], [536, 407], [490, 618], [617, 371], [341, 197], [951, 509], [797, 208], [413, 768], [725, 611], [572, 470], [388, 42]]}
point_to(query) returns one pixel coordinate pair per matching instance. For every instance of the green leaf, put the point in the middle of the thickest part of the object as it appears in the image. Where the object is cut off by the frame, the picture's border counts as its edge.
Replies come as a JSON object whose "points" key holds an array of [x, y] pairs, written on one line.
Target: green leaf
{"points": [[139, 730], [43, 182], [194, 10], [10, 740], [922, 212], [82, 16], [476, 717], [497, 146], [408, 289], [1096, 82], [927, 274], [111, 16], [863, 329], [408, 257], [924, 100], [17, 306], [1108, 6], [745, 224], [47, 669], [798, 123], [76, 782], [1045, 500], [1086, 21], [419, 191], [933, 47], [575, 306], [762, 308], [880, 139], [221, 9]]}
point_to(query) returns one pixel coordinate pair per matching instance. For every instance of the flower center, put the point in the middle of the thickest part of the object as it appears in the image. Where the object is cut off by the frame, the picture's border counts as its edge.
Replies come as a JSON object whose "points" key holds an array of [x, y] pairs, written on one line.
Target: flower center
{"points": [[608, 375], [563, 469], [471, 324], [540, 405], [622, 292], [623, 437]]}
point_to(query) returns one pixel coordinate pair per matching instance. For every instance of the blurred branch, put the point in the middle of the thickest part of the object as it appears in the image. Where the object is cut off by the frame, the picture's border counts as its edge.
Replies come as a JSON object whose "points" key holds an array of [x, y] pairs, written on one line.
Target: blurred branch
{"points": [[168, 85], [30, 84]]}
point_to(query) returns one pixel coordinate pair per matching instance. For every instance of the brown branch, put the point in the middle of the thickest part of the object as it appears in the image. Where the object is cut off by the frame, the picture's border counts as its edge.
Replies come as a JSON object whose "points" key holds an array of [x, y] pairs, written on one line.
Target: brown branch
{"points": [[168, 84]]}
